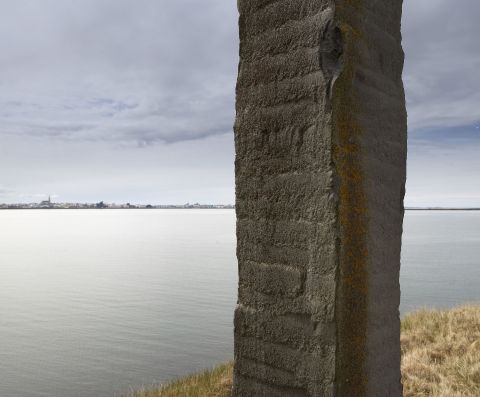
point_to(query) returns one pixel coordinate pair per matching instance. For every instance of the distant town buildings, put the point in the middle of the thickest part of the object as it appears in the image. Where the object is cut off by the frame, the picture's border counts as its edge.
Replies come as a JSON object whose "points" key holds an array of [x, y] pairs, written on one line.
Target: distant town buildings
{"points": [[49, 204]]}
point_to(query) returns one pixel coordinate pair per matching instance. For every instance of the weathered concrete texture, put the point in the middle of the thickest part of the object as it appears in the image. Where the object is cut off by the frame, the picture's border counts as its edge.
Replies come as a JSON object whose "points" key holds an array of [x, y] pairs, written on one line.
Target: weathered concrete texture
{"points": [[320, 140]]}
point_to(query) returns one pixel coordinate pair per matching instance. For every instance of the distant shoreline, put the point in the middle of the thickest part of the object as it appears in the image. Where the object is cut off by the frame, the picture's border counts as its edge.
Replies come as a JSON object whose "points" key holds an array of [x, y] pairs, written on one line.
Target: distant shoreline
{"points": [[205, 207], [122, 208]]}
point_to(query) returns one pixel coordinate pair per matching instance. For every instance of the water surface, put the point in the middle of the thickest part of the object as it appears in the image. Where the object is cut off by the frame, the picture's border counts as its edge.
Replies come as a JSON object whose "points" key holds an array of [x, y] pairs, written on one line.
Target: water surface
{"points": [[440, 259], [93, 303]]}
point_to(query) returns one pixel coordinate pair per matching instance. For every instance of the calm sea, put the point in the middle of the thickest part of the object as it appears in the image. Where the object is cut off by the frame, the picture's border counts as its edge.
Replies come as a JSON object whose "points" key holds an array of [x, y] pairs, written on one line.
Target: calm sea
{"points": [[95, 303]]}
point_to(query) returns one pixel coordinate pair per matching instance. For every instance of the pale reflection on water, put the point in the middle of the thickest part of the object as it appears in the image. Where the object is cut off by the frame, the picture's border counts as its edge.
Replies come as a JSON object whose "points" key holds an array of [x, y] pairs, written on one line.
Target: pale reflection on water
{"points": [[440, 259], [93, 303]]}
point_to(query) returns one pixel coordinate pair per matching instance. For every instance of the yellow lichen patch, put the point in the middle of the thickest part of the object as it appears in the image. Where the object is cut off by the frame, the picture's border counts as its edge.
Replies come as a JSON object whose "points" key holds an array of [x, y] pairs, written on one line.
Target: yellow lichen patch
{"points": [[353, 224]]}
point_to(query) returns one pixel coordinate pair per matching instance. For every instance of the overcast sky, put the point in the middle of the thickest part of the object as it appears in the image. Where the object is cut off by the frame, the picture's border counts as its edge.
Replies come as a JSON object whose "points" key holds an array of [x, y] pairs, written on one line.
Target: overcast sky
{"points": [[133, 100]]}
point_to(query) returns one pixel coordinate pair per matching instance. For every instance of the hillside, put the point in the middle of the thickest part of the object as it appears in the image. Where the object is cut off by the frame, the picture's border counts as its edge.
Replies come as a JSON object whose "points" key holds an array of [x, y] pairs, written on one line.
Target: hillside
{"points": [[440, 358]]}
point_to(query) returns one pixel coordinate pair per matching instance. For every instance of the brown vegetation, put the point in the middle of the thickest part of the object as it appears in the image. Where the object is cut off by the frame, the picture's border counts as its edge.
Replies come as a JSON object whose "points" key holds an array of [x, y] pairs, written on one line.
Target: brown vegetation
{"points": [[440, 358], [216, 382], [441, 353]]}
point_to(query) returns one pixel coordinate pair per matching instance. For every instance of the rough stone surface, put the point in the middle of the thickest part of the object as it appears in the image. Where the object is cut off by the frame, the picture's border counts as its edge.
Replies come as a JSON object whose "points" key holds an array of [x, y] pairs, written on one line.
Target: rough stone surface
{"points": [[320, 140]]}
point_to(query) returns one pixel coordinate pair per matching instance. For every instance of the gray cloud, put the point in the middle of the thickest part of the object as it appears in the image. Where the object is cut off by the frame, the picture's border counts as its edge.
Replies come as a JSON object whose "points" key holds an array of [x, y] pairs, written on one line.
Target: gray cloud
{"points": [[164, 71], [6, 192], [84, 84], [32, 168], [442, 69], [117, 70]]}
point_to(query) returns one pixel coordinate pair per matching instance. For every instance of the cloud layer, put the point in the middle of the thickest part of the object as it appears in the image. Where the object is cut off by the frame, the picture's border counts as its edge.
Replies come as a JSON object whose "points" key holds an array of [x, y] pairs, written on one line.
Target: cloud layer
{"points": [[134, 100], [117, 70], [442, 68], [149, 71]]}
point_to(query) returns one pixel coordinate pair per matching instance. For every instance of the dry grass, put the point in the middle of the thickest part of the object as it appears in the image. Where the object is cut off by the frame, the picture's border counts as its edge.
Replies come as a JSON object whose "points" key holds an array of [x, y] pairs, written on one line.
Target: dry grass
{"points": [[440, 358], [216, 382], [441, 353]]}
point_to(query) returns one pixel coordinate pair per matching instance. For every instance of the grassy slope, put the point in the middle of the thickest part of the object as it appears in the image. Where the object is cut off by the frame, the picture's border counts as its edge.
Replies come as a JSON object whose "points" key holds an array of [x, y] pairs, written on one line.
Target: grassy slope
{"points": [[440, 358], [441, 353], [216, 382]]}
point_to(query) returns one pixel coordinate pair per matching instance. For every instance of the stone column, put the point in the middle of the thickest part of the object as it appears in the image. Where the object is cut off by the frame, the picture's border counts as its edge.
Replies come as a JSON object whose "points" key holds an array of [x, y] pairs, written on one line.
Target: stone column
{"points": [[320, 140]]}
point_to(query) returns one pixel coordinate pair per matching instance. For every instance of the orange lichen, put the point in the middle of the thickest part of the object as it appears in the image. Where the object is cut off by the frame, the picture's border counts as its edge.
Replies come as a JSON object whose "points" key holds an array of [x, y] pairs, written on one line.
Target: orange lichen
{"points": [[352, 290]]}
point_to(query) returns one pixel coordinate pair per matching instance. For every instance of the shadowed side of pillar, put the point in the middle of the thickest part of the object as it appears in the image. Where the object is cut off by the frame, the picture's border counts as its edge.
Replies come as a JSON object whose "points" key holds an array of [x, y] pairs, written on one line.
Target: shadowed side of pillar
{"points": [[370, 141]]}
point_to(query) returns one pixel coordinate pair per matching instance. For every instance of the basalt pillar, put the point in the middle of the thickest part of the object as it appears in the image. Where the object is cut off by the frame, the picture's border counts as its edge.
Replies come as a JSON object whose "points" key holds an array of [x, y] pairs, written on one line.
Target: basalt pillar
{"points": [[321, 141]]}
